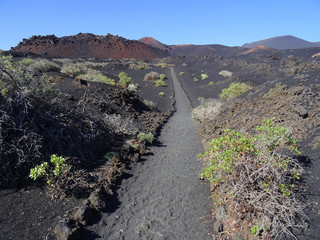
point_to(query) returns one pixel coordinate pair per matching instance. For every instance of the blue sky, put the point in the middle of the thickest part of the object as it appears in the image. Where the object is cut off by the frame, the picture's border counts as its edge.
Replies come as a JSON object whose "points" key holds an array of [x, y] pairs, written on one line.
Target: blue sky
{"points": [[226, 22]]}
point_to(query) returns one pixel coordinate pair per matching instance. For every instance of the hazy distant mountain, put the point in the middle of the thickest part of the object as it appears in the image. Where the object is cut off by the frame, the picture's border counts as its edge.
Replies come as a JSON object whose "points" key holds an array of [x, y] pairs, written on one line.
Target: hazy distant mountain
{"points": [[202, 50], [283, 42], [88, 45]]}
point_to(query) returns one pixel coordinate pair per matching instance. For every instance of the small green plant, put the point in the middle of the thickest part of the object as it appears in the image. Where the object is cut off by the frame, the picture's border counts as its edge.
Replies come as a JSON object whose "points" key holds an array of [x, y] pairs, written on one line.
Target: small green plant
{"points": [[184, 65], [210, 83], [195, 79], [60, 168], [161, 93], [162, 76], [204, 76], [160, 83], [147, 137], [181, 73], [256, 229], [234, 90], [110, 155], [124, 79]]}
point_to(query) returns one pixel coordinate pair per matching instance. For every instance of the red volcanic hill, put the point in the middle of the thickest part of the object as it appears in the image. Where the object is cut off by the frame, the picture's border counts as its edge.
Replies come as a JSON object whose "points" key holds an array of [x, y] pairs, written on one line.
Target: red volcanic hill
{"points": [[154, 43], [259, 50], [88, 45]]}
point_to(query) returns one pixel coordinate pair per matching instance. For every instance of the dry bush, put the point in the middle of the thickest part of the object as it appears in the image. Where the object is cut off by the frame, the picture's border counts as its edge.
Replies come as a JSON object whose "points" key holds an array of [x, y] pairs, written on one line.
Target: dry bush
{"points": [[151, 76], [121, 125], [226, 73], [207, 110]]}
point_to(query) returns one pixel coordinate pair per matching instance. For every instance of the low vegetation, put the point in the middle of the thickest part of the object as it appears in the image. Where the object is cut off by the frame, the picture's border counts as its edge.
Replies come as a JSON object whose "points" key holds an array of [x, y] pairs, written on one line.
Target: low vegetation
{"points": [[147, 137], [252, 178], [234, 90], [96, 76], [124, 79]]}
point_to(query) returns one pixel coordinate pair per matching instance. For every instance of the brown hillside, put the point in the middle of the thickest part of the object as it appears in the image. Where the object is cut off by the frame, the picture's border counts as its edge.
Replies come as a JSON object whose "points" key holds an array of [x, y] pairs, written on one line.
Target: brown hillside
{"points": [[88, 45]]}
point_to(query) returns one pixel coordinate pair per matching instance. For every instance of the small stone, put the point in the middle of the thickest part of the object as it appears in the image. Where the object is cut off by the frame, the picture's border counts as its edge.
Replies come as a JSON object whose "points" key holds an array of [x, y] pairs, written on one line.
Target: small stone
{"points": [[98, 200], [83, 215], [67, 231]]}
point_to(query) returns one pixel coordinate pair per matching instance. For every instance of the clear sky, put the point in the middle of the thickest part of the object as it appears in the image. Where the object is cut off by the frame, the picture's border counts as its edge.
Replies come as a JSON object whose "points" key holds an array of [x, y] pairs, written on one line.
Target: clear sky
{"points": [[227, 22]]}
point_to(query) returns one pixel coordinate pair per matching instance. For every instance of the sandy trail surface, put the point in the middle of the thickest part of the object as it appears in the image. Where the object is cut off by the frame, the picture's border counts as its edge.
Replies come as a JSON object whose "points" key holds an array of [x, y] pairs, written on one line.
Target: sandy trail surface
{"points": [[162, 196]]}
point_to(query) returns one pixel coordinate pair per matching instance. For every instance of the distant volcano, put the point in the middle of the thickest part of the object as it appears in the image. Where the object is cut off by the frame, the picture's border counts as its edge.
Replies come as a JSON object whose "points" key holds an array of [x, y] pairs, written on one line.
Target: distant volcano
{"points": [[282, 43], [88, 45]]}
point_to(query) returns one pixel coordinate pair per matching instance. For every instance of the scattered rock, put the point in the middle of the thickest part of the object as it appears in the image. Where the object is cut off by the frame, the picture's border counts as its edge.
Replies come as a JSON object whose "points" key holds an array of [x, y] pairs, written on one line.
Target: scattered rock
{"points": [[98, 200], [68, 230], [83, 215]]}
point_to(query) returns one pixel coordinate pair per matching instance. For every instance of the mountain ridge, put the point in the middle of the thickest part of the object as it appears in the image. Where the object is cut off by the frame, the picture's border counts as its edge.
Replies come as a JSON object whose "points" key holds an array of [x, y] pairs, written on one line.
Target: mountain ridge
{"points": [[88, 45]]}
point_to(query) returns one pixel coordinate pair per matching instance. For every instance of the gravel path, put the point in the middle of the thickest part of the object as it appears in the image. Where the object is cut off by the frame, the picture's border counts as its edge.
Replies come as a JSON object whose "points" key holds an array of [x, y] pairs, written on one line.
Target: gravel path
{"points": [[163, 198]]}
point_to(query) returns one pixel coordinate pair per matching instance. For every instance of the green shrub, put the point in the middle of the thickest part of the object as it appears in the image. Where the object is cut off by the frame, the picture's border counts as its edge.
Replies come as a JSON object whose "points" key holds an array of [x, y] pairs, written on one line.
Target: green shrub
{"points": [[26, 62], [234, 90], [96, 76], [160, 83], [181, 73], [204, 76], [162, 76], [255, 180], [164, 65], [161, 93], [42, 66], [54, 175], [71, 69], [147, 137], [210, 83], [124, 79], [195, 79], [184, 65], [141, 65]]}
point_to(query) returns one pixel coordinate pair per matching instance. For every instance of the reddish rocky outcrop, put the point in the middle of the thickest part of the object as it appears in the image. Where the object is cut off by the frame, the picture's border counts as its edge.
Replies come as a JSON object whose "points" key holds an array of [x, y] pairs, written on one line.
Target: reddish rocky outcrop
{"points": [[88, 45]]}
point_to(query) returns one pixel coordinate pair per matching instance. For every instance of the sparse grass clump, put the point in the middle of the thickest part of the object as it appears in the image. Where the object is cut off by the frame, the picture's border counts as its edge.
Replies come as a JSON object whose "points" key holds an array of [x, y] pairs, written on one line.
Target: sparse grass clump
{"points": [[181, 73], [184, 65], [234, 90], [257, 183], [161, 93]]}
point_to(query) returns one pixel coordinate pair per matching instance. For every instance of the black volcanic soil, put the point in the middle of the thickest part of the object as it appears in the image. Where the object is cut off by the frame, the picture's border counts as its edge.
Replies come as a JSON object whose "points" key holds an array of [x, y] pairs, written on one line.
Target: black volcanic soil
{"points": [[29, 209], [162, 197], [285, 85]]}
